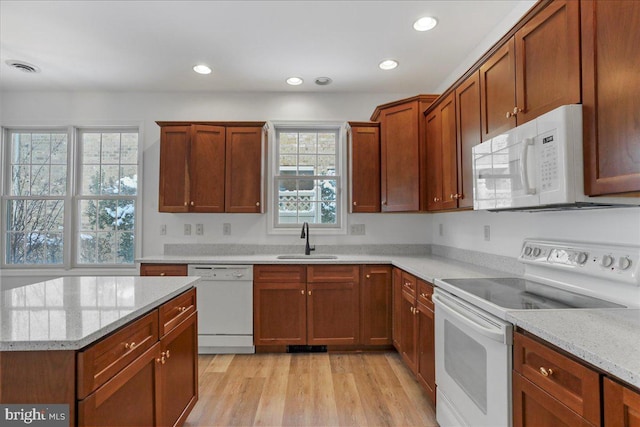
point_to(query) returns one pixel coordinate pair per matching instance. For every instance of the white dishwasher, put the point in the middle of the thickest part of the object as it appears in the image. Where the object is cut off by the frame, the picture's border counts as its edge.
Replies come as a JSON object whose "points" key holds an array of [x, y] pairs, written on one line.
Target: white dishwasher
{"points": [[225, 308]]}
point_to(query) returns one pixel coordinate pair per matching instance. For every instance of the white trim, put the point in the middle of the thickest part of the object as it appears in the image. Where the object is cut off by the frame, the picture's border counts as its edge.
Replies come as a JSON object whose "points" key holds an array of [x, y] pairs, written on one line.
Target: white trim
{"points": [[272, 165]]}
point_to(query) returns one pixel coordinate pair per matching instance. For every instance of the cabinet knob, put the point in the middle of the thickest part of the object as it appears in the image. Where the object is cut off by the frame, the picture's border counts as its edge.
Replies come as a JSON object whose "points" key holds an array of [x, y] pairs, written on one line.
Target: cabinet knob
{"points": [[546, 372], [193, 204], [516, 110], [302, 291], [163, 274], [165, 354], [186, 204], [161, 360], [436, 199], [309, 293], [384, 202], [509, 114], [368, 276], [355, 203], [257, 203], [129, 346]]}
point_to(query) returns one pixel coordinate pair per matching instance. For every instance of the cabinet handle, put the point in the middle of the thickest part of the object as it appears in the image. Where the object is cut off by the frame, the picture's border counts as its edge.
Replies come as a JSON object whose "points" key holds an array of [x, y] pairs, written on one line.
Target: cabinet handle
{"points": [[509, 114], [182, 309], [129, 346], [423, 295], [161, 360], [186, 204], [384, 202], [546, 372], [436, 199], [302, 291], [368, 276], [257, 203], [516, 110], [309, 293], [165, 354], [355, 203], [193, 204], [163, 274]]}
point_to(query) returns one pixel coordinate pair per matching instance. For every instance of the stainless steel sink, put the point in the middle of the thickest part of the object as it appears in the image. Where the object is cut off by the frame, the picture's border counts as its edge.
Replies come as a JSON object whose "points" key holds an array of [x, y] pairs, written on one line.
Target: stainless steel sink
{"points": [[293, 256]]}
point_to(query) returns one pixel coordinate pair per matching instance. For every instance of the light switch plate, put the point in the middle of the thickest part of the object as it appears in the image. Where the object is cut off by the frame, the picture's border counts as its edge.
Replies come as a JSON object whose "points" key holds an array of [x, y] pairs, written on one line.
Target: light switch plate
{"points": [[226, 229], [487, 233], [357, 229], [199, 229], [187, 229]]}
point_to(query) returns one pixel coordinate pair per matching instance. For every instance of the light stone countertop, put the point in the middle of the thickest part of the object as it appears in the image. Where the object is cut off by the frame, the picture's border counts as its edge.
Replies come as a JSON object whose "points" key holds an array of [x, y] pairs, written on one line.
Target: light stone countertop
{"points": [[609, 339], [69, 313]]}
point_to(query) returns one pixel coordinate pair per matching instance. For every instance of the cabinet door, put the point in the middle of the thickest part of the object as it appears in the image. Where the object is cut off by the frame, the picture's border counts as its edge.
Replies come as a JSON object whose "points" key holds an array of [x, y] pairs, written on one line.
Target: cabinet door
{"points": [[365, 168], [532, 407], [131, 398], [179, 372], [426, 351], [279, 313], [409, 332], [375, 298], [174, 175], [468, 131], [400, 158], [548, 60], [498, 91], [434, 160], [244, 170], [611, 95], [621, 405], [206, 168], [449, 195], [333, 313], [396, 283]]}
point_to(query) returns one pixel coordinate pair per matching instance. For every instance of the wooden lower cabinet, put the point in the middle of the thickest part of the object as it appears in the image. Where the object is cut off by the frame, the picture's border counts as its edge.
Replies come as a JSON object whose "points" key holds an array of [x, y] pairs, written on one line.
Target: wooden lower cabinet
{"points": [[621, 405], [426, 340], [163, 269], [408, 337], [396, 290], [128, 399], [321, 305]]}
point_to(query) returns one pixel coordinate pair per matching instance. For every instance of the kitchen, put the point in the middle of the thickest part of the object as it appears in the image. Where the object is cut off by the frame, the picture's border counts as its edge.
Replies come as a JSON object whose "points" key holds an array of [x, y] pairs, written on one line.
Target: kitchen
{"points": [[459, 234]]}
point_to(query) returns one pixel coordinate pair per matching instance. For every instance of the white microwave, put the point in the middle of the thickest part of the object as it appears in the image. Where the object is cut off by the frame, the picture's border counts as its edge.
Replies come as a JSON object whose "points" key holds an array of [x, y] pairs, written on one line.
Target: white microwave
{"points": [[536, 165]]}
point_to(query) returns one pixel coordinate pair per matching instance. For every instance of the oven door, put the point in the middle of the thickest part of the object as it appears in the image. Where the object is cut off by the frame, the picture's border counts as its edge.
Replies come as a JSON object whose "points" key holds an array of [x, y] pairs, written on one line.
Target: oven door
{"points": [[473, 364]]}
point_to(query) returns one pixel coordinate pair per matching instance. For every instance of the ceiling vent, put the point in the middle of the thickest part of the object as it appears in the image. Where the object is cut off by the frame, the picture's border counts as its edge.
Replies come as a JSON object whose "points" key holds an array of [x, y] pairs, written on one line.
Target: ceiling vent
{"points": [[323, 81], [23, 66]]}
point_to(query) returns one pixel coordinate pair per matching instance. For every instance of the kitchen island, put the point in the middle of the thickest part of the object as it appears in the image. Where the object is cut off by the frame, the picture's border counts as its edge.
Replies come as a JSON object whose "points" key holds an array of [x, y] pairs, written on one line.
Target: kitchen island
{"points": [[112, 348]]}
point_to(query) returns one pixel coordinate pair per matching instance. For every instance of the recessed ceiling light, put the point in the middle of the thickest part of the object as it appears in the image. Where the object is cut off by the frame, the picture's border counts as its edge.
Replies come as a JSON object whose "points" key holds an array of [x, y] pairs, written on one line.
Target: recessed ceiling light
{"points": [[202, 69], [294, 81], [388, 64], [323, 81], [425, 23], [23, 66]]}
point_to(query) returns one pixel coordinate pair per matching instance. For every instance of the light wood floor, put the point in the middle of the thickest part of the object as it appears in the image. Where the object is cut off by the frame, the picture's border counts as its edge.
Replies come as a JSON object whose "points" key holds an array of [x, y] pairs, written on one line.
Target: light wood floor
{"points": [[309, 389]]}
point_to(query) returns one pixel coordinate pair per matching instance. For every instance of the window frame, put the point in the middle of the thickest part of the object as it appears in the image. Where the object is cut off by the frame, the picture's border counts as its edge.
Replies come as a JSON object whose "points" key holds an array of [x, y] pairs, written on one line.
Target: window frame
{"points": [[273, 227], [71, 198]]}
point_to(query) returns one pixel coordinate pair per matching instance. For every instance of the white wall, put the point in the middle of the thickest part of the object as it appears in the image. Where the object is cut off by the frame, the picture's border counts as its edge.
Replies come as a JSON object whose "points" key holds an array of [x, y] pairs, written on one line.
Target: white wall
{"points": [[145, 108]]}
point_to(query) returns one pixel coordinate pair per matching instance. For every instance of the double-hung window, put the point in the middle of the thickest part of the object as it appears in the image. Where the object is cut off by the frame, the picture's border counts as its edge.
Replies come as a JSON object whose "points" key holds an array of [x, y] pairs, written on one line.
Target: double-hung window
{"points": [[307, 176], [70, 197]]}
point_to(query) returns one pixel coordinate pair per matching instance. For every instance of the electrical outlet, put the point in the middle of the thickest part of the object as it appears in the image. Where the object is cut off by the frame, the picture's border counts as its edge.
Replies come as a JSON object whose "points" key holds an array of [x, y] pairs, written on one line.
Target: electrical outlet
{"points": [[487, 233], [357, 229], [199, 229], [163, 229], [226, 229], [441, 229], [187, 229]]}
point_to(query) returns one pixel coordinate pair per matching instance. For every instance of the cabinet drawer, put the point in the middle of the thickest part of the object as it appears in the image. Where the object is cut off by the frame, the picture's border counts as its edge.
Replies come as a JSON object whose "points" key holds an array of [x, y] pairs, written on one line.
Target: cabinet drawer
{"points": [[409, 283], [332, 273], [279, 273], [175, 311], [567, 380], [104, 359], [425, 291], [163, 269]]}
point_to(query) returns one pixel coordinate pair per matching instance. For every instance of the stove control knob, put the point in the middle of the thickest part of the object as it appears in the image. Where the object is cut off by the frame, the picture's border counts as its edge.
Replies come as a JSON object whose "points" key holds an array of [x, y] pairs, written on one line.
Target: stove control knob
{"points": [[624, 263], [536, 252], [527, 250], [607, 261], [582, 257]]}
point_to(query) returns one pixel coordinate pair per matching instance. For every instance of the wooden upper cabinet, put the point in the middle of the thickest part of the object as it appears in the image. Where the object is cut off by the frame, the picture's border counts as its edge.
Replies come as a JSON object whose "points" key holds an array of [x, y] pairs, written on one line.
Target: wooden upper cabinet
{"points": [[364, 161], [611, 96], [243, 182], [548, 60], [498, 91], [206, 169], [174, 175], [210, 167], [467, 100], [403, 154], [442, 161]]}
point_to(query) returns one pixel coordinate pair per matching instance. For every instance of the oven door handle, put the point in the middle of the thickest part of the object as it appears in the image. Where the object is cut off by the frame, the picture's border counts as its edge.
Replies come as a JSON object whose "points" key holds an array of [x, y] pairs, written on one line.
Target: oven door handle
{"points": [[495, 334]]}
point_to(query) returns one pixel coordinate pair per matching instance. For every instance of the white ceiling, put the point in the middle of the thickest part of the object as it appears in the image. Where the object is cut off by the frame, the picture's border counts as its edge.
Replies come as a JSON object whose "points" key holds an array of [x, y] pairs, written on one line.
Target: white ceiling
{"points": [[253, 46]]}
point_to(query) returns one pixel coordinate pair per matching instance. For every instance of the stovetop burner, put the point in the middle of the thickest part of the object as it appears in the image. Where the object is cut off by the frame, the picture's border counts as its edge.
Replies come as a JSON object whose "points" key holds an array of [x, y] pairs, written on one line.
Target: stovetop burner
{"points": [[520, 294]]}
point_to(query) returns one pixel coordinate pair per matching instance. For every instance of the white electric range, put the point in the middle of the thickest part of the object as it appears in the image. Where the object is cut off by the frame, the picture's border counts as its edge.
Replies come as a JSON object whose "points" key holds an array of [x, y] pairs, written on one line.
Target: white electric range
{"points": [[474, 340]]}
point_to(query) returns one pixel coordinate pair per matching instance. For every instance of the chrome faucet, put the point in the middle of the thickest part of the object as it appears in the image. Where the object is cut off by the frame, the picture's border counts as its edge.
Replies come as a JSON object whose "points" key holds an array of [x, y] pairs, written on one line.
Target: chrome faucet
{"points": [[305, 234]]}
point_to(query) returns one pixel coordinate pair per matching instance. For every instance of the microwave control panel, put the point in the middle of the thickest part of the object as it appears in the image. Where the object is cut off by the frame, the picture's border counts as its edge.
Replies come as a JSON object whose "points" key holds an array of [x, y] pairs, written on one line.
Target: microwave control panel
{"points": [[549, 168]]}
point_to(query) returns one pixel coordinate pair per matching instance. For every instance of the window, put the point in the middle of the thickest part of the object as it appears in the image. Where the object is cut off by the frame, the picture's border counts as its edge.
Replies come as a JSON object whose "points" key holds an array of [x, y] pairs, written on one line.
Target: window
{"points": [[70, 197], [307, 176]]}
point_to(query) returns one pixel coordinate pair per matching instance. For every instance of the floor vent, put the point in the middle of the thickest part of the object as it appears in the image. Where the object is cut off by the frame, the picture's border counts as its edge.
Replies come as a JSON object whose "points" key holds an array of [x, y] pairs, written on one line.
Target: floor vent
{"points": [[306, 349]]}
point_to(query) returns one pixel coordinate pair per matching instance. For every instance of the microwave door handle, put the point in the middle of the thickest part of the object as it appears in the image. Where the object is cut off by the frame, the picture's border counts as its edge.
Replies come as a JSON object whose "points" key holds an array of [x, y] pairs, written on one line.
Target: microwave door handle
{"points": [[494, 334], [524, 168]]}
